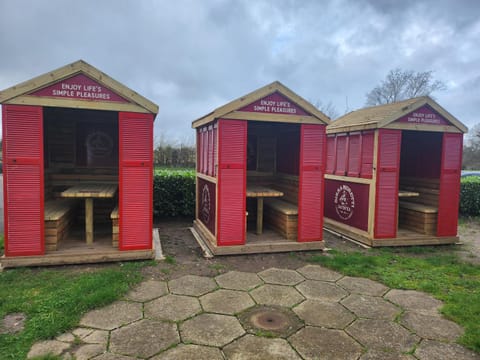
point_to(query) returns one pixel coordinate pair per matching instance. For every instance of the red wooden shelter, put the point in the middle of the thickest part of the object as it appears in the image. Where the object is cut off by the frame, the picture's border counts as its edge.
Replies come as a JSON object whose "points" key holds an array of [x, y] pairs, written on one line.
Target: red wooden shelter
{"points": [[261, 157], [77, 155], [393, 174]]}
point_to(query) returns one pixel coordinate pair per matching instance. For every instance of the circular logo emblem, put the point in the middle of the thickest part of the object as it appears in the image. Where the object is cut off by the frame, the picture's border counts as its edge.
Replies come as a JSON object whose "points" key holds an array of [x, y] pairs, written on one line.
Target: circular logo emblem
{"points": [[99, 145], [344, 202], [205, 205]]}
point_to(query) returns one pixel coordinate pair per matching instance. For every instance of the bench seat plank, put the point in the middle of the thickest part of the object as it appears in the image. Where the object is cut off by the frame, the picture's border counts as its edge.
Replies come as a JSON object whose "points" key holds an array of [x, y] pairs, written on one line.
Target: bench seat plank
{"points": [[282, 206], [418, 207], [55, 209]]}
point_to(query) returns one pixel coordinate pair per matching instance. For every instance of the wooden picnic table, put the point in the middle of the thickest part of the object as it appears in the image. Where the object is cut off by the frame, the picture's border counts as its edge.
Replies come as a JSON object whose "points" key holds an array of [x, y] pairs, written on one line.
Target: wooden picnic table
{"points": [[89, 192], [260, 192], [406, 193]]}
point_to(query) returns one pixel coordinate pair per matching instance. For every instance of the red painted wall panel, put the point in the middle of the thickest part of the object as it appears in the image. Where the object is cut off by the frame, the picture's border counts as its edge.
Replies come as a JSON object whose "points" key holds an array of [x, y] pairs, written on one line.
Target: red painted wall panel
{"points": [[341, 159], [215, 151], [449, 185], [354, 155], [136, 180], [232, 170], [386, 207], [23, 180], [311, 182], [331, 153], [366, 168]]}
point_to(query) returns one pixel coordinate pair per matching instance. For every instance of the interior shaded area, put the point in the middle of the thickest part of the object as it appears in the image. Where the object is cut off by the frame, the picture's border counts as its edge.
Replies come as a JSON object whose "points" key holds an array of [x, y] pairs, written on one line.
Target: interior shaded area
{"points": [[80, 148], [419, 184], [273, 158]]}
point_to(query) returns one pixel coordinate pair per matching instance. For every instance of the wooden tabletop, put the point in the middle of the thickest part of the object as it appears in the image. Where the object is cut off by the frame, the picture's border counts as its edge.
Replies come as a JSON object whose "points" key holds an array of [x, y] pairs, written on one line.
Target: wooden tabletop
{"points": [[90, 191], [262, 191], [406, 193]]}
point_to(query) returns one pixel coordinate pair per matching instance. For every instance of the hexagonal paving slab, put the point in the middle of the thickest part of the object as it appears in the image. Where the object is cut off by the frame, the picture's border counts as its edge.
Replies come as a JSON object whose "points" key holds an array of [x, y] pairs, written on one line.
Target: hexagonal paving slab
{"points": [[272, 320], [326, 314], [281, 276], [42, 348], [383, 335], [211, 329], [252, 347], [374, 354], [192, 285], [148, 290], [144, 338], [433, 350], [110, 356], [318, 343], [227, 302], [431, 327], [113, 316], [237, 280], [317, 272], [172, 307], [276, 295], [320, 290], [187, 352], [371, 307], [414, 301], [362, 286], [88, 351]]}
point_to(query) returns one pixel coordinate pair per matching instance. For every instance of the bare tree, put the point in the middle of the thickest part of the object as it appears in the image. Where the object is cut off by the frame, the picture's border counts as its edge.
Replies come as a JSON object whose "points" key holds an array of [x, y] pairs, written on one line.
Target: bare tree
{"points": [[400, 85], [327, 108], [471, 149]]}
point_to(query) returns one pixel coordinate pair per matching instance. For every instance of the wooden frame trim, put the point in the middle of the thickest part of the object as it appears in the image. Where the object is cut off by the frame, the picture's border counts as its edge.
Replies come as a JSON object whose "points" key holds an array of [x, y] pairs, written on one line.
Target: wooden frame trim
{"points": [[207, 177], [351, 128], [77, 104], [357, 180]]}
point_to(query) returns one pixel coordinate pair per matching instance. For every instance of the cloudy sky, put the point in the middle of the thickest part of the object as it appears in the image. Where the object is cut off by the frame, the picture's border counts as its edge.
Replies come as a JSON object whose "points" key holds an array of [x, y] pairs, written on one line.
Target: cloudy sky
{"points": [[190, 57]]}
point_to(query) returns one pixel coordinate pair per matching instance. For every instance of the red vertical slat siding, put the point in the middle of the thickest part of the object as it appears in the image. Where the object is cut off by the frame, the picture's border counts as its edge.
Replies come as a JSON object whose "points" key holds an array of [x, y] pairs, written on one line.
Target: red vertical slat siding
{"points": [[210, 151], [23, 180], [215, 152], [232, 156], [341, 155], [354, 154], [205, 150], [311, 182], [386, 205], [136, 177], [199, 150], [366, 167], [449, 197], [331, 152]]}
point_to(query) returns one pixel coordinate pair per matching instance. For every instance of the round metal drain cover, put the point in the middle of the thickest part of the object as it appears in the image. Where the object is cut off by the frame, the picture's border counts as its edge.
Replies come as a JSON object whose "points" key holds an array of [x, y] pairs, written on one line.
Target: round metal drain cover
{"points": [[270, 321]]}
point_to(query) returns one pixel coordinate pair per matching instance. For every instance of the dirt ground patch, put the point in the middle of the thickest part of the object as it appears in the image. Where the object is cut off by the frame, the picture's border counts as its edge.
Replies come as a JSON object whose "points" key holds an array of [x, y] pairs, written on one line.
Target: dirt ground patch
{"points": [[184, 255]]}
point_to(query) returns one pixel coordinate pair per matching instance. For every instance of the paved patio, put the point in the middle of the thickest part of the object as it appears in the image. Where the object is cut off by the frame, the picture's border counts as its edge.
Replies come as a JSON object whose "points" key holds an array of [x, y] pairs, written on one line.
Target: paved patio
{"points": [[308, 313]]}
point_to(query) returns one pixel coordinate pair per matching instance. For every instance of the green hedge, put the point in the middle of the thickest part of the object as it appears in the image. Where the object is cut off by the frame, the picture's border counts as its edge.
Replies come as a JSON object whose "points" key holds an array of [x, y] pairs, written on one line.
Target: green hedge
{"points": [[470, 196], [173, 193]]}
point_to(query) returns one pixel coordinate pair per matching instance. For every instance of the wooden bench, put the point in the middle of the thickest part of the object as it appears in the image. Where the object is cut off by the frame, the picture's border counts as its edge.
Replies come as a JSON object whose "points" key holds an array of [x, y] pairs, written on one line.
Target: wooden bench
{"points": [[282, 213], [59, 215], [418, 217], [115, 228], [419, 213]]}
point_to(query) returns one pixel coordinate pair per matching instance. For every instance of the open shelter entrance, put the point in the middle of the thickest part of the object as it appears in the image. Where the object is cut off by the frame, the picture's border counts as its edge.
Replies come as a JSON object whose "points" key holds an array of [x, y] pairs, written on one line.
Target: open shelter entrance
{"points": [[78, 155], [393, 174], [260, 173]]}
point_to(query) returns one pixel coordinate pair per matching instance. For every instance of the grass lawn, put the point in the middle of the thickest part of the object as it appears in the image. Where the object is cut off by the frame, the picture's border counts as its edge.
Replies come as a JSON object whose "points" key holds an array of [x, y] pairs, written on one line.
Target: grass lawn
{"points": [[54, 300], [428, 269]]}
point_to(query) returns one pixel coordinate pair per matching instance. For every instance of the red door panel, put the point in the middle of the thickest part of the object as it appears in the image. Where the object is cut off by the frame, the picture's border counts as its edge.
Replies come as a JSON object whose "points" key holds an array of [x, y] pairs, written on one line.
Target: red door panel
{"points": [[232, 157], [449, 197], [311, 182], [388, 164], [136, 181], [23, 180]]}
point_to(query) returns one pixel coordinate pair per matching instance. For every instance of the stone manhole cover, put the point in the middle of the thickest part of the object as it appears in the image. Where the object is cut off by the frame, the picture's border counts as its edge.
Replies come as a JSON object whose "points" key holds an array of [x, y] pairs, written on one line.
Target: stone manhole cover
{"points": [[270, 321], [12, 323]]}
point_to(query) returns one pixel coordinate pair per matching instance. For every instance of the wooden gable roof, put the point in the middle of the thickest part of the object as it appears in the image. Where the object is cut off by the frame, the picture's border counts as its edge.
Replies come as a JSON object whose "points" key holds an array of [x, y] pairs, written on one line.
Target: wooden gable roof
{"points": [[243, 109], [115, 96], [386, 116]]}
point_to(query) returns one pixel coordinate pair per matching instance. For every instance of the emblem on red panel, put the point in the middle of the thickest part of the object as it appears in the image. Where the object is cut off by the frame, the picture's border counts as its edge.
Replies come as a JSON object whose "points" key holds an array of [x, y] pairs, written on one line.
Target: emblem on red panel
{"points": [[205, 205], [344, 202]]}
